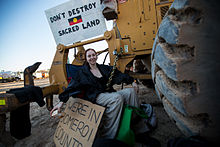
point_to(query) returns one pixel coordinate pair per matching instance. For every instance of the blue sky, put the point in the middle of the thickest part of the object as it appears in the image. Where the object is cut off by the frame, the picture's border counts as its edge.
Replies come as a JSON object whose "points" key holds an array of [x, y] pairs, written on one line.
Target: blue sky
{"points": [[25, 35]]}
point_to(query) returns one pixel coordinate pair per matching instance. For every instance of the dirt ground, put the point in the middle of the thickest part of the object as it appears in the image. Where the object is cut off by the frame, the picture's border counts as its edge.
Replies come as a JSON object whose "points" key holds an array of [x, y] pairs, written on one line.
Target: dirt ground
{"points": [[44, 126]]}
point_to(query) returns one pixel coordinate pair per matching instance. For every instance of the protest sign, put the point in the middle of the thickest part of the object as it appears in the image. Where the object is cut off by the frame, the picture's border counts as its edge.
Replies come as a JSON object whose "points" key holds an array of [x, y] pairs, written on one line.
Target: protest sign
{"points": [[76, 20], [79, 125]]}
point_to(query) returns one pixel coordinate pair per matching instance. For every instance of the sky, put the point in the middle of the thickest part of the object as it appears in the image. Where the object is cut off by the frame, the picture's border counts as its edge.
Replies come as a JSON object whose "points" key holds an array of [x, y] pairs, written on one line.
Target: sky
{"points": [[25, 35]]}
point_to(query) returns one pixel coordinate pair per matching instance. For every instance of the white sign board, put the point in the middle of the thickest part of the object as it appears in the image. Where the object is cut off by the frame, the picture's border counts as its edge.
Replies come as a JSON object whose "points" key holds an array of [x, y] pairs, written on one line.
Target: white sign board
{"points": [[76, 20], [79, 125]]}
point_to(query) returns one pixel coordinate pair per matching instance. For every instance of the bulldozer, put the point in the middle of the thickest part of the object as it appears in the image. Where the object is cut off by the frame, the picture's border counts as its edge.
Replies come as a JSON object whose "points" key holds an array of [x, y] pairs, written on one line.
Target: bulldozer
{"points": [[136, 36], [144, 19]]}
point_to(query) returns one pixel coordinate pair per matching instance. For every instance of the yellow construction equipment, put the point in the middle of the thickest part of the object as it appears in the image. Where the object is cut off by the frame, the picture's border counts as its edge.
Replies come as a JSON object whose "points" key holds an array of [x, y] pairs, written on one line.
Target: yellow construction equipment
{"points": [[182, 61], [133, 35]]}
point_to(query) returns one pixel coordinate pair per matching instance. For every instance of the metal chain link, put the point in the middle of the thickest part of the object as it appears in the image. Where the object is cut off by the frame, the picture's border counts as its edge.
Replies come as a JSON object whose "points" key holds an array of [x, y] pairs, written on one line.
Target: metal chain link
{"points": [[113, 71]]}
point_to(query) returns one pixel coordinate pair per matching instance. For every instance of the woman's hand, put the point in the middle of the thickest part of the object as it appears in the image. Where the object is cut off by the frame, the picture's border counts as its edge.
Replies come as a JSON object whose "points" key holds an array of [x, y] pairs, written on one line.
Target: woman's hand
{"points": [[57, 107], [135, 86]]}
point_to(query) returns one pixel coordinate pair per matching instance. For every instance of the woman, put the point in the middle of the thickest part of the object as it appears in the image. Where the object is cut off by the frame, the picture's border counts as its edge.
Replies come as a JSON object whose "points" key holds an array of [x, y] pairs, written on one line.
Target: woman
{"points": [[92, 80]]}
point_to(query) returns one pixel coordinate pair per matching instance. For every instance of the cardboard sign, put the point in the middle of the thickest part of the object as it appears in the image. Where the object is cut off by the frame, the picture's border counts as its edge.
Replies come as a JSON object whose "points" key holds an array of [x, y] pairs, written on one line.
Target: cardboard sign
{"points": [[79, 125], [76, 20]]}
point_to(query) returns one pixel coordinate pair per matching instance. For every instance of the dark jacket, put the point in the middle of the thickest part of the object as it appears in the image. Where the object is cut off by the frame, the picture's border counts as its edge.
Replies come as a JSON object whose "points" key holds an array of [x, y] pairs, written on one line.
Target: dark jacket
{"points": [[90, 85]]}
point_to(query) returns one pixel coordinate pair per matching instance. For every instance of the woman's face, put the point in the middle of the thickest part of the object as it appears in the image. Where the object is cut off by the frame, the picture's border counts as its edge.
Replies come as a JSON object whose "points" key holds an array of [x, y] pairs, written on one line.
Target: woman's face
{"points": [[91, 57]]}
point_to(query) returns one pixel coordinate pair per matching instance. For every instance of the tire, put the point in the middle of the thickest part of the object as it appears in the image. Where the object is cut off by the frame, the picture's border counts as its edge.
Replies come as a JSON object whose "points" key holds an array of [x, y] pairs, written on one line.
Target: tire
{"points": [[185, 66]]}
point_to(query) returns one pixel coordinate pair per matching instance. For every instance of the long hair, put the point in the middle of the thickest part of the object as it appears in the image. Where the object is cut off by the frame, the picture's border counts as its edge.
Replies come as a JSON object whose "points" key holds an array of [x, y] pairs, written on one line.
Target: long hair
{"points": [[89, 49]]}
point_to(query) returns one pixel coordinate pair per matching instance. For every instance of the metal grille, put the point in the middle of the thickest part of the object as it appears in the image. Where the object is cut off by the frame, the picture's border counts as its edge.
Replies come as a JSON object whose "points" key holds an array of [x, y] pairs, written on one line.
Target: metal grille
{"points": [[163, 11]]}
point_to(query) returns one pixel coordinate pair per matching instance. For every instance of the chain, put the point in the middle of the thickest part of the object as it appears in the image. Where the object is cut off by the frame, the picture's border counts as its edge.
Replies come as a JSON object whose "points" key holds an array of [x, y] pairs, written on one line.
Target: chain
{"points": [[113, 71]]}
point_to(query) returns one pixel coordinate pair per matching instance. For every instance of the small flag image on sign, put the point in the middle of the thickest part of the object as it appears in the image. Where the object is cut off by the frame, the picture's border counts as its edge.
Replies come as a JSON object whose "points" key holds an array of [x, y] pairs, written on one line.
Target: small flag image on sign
{"points": [[75, 20]]}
